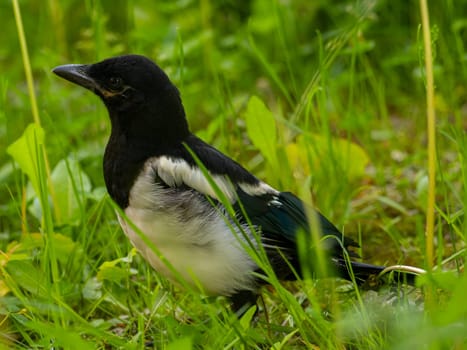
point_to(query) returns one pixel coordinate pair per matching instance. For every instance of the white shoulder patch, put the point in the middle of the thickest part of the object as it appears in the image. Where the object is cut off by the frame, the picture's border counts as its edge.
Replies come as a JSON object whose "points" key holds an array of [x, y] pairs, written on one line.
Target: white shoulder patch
{"points": [[258, 190], [178, 172]]}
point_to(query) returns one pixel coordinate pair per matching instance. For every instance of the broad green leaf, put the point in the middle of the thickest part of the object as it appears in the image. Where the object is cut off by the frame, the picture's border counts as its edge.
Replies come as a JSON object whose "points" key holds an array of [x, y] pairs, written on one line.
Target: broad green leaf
{"points": [[26, 275], [25, 151], [245, 321], [65, 247], [352, 158], [71, 185], [307, 154], [111, 272], [447, 280], [261, 128], [67, 337], [69, 182], [298, 160], [456, 309], [97, 193], [184, 343]]}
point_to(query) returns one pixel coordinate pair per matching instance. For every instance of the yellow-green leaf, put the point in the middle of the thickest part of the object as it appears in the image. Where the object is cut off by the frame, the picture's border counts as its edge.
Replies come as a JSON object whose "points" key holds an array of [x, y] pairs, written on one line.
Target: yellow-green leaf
{"points": [[261, 128], [111, 272], [308, 154], [184, 343], [26, 152]]}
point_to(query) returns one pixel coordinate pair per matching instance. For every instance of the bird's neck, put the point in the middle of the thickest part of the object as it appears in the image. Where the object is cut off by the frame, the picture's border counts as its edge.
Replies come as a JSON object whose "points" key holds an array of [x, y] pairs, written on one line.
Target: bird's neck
{"points": [[133, 142], [149, 129]]}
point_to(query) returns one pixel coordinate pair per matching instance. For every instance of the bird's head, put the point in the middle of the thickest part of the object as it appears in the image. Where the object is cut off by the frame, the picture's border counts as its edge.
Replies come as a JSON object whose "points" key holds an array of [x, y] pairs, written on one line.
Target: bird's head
{"points": [[138, 94]]}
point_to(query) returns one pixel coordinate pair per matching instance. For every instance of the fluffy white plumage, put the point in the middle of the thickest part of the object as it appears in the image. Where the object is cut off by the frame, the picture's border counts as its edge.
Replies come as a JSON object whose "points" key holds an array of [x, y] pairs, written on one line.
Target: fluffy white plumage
{"points": [[189, 232]]}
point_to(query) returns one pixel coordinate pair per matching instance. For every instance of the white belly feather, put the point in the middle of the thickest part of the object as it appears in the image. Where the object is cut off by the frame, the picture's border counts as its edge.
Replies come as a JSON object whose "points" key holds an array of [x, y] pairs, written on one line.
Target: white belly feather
{"points": [[202, 249]]}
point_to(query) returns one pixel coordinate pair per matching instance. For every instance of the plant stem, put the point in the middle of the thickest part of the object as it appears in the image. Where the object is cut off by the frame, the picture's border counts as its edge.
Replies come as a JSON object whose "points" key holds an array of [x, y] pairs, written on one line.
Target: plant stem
{"points": [[26, 62], [431, 130]]}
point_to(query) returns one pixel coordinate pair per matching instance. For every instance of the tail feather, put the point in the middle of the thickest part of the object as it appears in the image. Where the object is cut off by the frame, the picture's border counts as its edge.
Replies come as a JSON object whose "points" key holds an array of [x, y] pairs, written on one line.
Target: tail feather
{"points": [[363, 272]]}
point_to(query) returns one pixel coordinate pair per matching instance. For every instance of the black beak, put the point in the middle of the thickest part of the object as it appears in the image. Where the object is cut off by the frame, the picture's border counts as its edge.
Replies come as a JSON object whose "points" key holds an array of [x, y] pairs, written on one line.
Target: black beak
{"points": [[78, 74]]}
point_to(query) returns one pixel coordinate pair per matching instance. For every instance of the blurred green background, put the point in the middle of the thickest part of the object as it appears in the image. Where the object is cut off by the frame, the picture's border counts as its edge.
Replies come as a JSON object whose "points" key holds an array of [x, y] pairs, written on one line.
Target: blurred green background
{"points": [[344, 81]]}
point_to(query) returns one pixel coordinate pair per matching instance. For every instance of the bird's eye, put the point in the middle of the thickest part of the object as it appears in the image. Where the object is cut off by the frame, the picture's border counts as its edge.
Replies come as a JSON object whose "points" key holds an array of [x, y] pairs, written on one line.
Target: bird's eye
{"points": [[115, 83]]}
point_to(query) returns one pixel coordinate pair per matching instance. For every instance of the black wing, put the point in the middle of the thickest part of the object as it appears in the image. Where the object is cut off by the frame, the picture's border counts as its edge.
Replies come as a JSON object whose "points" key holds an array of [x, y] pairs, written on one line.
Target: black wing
{"points": [[278, 215], [280, 218]]}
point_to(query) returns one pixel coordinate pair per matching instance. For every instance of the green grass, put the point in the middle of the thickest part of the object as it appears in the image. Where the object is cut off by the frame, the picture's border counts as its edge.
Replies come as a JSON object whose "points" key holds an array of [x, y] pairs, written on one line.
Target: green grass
{"points": [[340, 89]]}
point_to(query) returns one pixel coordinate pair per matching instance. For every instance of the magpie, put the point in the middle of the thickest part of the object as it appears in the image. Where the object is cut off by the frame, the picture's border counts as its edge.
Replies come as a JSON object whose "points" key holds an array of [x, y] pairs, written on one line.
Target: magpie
{"points": [[155, 170]]}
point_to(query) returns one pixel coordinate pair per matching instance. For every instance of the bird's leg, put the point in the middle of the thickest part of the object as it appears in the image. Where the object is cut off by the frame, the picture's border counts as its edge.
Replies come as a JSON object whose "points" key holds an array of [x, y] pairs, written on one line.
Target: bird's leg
{"points": [[242, 301]]}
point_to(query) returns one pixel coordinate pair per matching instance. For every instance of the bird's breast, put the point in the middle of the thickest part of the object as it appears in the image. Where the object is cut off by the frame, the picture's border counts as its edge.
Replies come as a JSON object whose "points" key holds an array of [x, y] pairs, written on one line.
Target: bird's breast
{"points": [[192, 243]]}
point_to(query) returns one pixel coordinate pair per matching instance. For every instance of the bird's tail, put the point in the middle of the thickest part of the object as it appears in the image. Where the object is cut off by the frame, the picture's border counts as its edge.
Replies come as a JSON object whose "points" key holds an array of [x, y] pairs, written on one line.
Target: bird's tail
{"points": [[363, 273]]}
